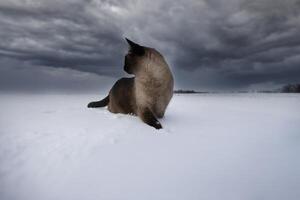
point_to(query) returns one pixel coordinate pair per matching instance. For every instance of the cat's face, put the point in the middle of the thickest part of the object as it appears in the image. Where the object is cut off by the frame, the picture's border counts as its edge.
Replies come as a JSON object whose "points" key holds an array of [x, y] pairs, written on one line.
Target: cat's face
{"points": [[134, 58]]}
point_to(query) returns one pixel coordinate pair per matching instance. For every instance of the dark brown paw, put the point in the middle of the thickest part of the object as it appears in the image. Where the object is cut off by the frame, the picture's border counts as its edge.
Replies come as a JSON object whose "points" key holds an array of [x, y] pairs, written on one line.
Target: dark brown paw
{"points": [[157, 125]]}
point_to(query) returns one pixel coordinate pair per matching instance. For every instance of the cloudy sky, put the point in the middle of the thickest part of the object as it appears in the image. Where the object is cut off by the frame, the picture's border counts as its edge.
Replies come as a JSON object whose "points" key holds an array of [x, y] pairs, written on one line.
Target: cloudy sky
{"points": [[209, 44]]}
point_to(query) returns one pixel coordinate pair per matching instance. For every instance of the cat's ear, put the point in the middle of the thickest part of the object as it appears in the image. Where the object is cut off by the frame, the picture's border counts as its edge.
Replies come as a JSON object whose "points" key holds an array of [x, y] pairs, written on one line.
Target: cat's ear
{"points": [[135, 48]]}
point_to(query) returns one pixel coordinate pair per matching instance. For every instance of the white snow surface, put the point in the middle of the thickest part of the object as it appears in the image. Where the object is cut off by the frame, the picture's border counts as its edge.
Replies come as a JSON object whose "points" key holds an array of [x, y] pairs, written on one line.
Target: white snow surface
{"points": [[213, 146]]}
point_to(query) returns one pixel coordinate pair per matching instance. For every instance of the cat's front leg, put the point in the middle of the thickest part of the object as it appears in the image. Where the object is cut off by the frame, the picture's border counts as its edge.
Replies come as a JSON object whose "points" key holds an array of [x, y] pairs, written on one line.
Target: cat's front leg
{"points": [[149, 118]]}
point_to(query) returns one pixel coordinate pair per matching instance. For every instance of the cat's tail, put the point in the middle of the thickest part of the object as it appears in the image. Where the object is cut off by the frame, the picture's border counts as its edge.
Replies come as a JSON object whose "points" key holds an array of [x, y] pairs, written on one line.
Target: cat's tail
{"points": [[102, 103]]}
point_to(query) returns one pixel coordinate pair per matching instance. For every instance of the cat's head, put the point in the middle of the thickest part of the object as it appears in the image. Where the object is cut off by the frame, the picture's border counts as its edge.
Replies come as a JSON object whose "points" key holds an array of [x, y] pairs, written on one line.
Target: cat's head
{"points": [[134, 58], [144, 61]]}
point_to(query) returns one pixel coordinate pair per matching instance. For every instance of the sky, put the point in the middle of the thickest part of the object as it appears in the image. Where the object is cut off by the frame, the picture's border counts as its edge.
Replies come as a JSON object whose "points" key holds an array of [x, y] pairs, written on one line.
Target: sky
{"points": [[209, 44]]}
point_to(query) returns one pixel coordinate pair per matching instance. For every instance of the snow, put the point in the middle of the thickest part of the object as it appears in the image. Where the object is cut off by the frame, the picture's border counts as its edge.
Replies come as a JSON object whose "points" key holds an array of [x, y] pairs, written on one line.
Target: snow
{"points": [[213, 146]]}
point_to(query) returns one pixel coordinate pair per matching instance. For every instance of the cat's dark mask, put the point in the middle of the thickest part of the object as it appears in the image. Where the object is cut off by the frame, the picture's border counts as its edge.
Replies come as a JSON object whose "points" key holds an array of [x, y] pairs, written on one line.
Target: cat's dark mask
{"points": [[135, 48]]}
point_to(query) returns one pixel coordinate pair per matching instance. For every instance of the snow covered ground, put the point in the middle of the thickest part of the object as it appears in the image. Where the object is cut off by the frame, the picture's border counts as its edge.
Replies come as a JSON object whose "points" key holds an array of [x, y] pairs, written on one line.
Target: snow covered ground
{"points": [[213, 146]]}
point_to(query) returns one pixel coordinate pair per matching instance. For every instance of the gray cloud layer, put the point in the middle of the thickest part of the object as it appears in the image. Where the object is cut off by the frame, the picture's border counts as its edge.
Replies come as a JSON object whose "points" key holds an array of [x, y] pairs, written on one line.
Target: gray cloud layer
{"points": [[208, 43]]}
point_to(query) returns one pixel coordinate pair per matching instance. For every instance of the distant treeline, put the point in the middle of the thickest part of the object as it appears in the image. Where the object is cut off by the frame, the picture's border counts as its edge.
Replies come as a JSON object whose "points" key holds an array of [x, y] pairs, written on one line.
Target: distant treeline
{"points": [[291, 88], [187, 92]]}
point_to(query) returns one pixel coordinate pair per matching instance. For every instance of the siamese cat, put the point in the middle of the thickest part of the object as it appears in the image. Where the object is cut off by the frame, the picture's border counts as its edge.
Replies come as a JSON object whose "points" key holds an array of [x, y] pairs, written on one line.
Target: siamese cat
{"points": [[148, 93]]}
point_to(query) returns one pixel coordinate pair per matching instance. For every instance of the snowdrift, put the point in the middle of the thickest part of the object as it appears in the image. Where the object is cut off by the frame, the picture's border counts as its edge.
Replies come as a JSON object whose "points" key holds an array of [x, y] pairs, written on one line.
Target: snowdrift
{"points": [[213, 146]]}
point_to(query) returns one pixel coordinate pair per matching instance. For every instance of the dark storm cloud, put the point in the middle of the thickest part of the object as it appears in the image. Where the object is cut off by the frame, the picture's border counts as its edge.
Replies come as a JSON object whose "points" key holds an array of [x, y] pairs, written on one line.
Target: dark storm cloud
{"points": [[209, 43], [59, 34]]}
